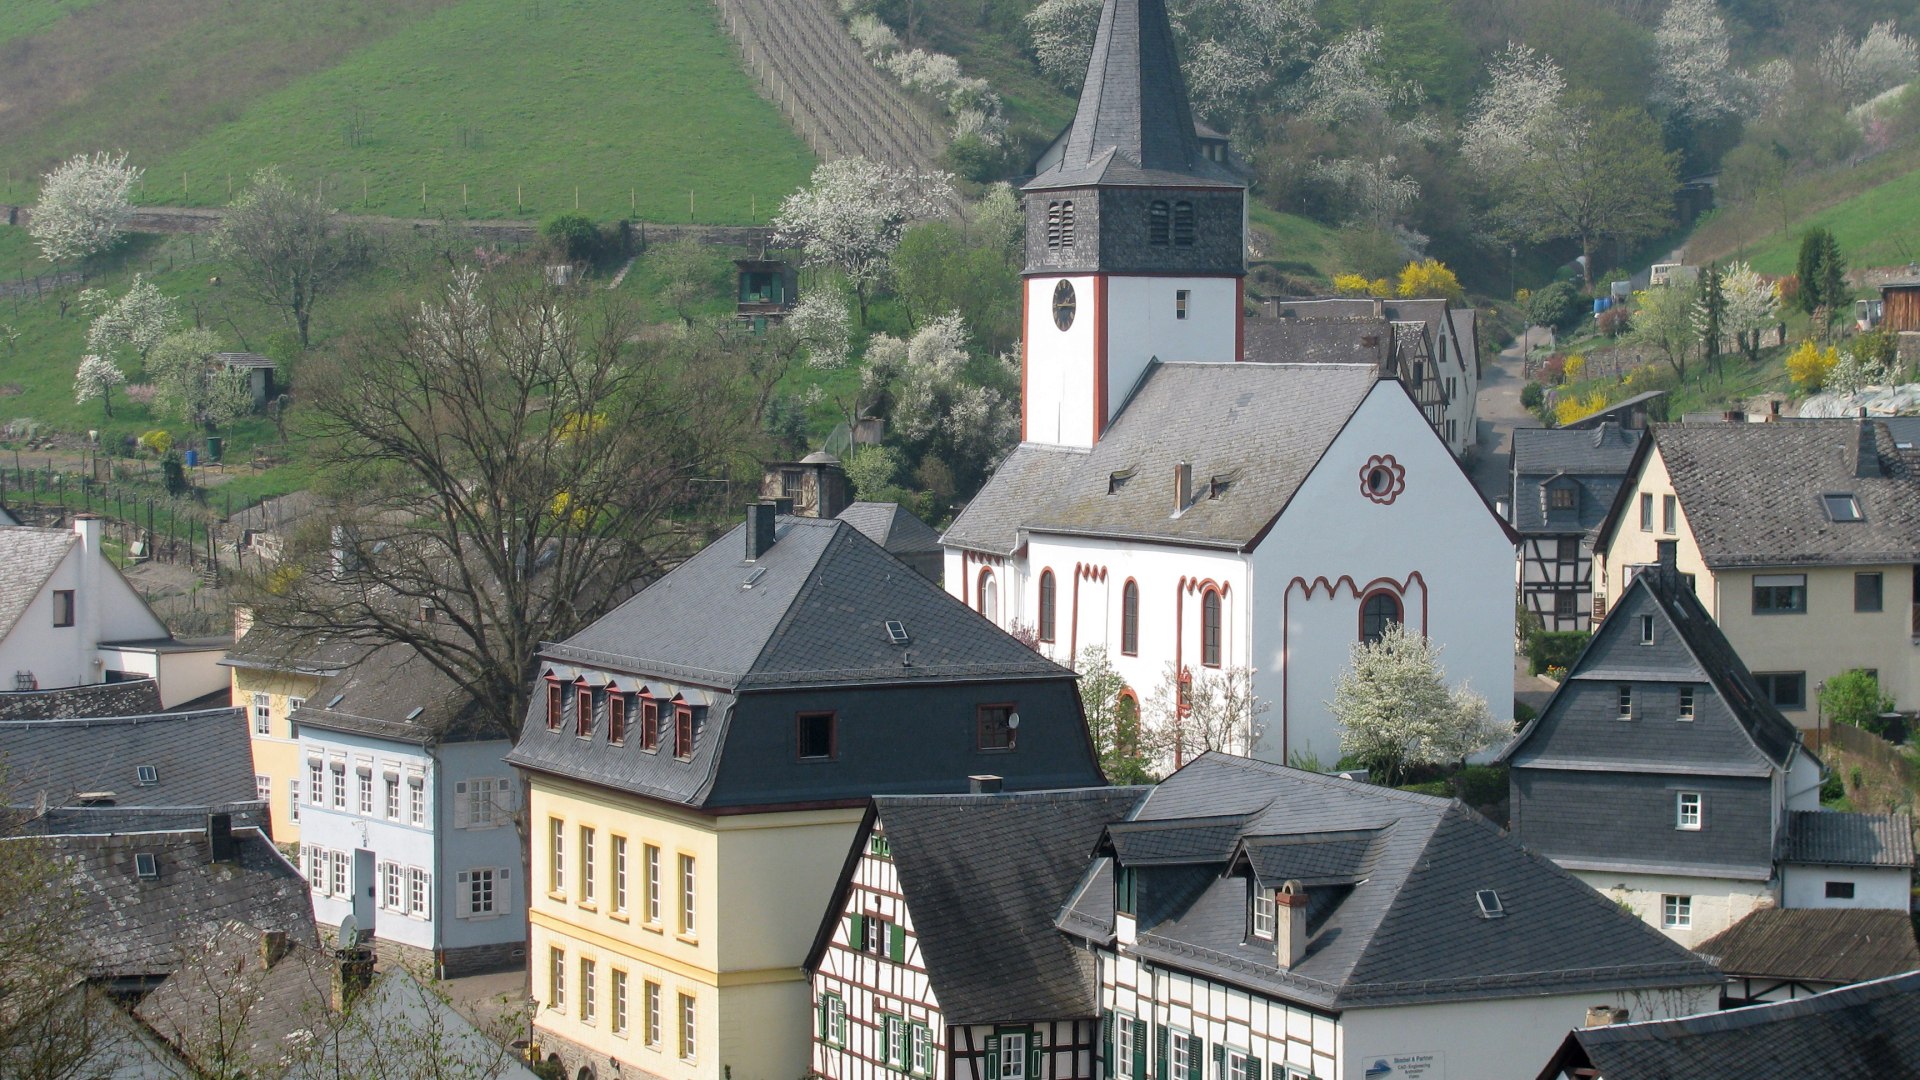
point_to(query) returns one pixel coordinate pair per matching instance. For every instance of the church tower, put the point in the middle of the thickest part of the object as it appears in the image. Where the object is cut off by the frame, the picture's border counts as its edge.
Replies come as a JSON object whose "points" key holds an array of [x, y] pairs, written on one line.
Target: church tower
{"points": [[1135, 239]]}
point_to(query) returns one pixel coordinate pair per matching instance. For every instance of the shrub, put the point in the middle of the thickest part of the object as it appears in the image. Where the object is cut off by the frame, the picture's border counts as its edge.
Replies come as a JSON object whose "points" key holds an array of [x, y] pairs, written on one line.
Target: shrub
{"points": [[1574, 366], [1854, 697], [1554, 649], [1532, 397], [1481, 785], [573, 237], [1574, 408], [1832, 788], [1614, 321], [1809, 365], [1556, 305], [1553, 370], [1523, 712], [1430, 277], [974, 158]]}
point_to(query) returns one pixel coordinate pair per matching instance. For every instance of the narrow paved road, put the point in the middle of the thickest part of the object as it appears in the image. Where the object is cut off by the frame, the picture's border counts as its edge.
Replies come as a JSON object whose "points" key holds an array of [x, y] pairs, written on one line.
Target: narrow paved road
{"points": [[1499, 413]]}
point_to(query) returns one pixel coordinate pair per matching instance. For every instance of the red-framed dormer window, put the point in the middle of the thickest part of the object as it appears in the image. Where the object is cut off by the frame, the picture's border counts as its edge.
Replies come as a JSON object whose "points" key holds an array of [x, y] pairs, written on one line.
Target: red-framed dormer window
{"points": [[583, 714], [682, 731], [616, 719], [556, 705], [649, 723]]}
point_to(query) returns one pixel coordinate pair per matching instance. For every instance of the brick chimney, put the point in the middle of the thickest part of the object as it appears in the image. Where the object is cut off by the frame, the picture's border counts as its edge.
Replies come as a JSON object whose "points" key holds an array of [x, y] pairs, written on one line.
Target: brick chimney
{"points": [[1290, 923], [761, 518], [352, 973]]}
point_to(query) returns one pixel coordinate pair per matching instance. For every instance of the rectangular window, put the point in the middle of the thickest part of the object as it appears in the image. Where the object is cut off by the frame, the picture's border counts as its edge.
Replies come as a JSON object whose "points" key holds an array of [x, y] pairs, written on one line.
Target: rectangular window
{"points": [[1867, 590], [1126, 1043], [1676, 912], [339, 884], [339, 787], [1646, 629], [619, 1002], [480, 892], [653, 884], [1839, 890], [1646, 512], [814, 736], [1626, 703], [1013, 1055], [617, 719], [416, 800], [293, 706], [486, 799], [1566, 603], [586, 865], [556, 705], [1567, 549], [1179, 1054], [1842, 507], [393, 797], [1180, 297], [417, 892], [391, 897], [652, 1014], [1669, 514], [1263, 911], [994, 727], [1779, 594], [687, 1028], [556, 978], [1686, 813], [894, 1031], [922, 1050], [583, 715], [1686, 703], [878, 844], [649, 724], [620, 874], [556, 855], [365, 791], [589, 1004], [689, 924], [836, 1020], [683, 732], [1241, 1067], [314, 867], [316, 782], [1561, 498], [262, 714], [1786, 689], [1126, 890], [263, 787], [63, 607]]}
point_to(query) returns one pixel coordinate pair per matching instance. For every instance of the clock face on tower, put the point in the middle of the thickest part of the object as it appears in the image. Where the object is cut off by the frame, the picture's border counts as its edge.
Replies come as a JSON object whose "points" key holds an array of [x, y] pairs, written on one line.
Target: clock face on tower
{"points": [[1063, 304]]}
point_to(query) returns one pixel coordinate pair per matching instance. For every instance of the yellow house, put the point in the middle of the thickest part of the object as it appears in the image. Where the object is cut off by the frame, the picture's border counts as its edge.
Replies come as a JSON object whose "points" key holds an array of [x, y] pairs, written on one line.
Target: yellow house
{"points": [[697, 763], [273, 675], [1800, 537]]}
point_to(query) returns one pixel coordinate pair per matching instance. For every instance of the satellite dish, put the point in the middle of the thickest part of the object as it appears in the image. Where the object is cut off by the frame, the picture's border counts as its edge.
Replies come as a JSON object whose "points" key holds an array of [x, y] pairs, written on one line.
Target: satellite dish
{"points": [[1013, 722], [349, 931]]}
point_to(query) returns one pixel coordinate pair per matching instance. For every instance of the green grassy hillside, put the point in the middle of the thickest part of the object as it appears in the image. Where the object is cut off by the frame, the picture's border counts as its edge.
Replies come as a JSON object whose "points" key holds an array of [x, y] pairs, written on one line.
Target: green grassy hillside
{"points": [[518, 102]]}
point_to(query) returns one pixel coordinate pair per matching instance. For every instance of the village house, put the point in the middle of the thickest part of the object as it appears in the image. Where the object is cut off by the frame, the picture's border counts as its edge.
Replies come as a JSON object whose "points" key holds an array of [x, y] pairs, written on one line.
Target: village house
{"points": [[912, 974], [408, 821], [1250, 920], [273, 674], [1785, 954], [1801, 538], [1186, 512], [698, 760], [1660, 774], [69, 618], [1564, 480]]}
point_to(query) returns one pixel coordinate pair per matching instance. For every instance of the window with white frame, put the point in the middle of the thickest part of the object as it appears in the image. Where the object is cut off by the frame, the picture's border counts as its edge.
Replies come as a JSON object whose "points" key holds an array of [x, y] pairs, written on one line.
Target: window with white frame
{"points": [[366, 790], [417, 892], [480, 883], [338, 884], [922, 1050], [316, 781], [392, 781], [480, 802], [1240, 1066], [263, 787], [339, 785], [293, 800], [688, 1029], [391, 897], [316, 868], [262, 714], [293, 706], [556, 978], [689, 923], [1686, 703], [1013, 1056], [1676, 912], [416, 800], [556, 855], [652, 1015], [620, 874], [1646, 629], [1686, 812], [894, 1031], [586, 864], [836, 1019], [1263, 911], [653, 885], [1126, 1043], [619, 1019], [1179, 1053], [1626, 702], [589, 1003]]}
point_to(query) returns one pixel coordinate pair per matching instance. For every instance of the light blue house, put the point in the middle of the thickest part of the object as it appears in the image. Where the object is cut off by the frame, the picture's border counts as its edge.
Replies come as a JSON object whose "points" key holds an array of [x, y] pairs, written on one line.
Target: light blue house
{"points": [[407, 816]]}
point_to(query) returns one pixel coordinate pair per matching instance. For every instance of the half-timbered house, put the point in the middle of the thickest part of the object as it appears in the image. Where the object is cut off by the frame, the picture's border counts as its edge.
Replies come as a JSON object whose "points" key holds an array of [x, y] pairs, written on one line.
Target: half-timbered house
{"points": [[1564, 481], [1255, 921], [912, 973]]}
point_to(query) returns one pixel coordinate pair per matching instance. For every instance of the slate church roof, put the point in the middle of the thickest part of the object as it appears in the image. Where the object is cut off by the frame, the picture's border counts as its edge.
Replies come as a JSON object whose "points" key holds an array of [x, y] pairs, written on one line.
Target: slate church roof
{"points": [[1392, 878], [983, 877], [1862, 1032], [1134, 126]]}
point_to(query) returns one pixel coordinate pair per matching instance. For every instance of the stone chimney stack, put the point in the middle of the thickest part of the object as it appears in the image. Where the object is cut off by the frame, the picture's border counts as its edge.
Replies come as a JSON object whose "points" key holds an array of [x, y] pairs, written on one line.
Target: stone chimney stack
{"points": [[984, 784], [1669, 562], [1866, 454], [1290, 922], [352, 973], [761, 519], [1182, 487], [220, 837]]}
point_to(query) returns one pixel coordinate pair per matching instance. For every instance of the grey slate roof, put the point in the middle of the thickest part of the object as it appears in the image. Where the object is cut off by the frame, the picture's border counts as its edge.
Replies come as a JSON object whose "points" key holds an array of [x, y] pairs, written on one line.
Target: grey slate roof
{"points": [[1751, 493], [202, 760], [133, 697], [266, 648], [1260, 427], [1865, 1032], [135, 926], [983, 877], [814, 615], [1619, 410], [893, 527], [30, 555], [379, 693], [1133, 126], [1596, 460], [1333, 340], [1834, 839], [1840, 945], [1409, 930]]}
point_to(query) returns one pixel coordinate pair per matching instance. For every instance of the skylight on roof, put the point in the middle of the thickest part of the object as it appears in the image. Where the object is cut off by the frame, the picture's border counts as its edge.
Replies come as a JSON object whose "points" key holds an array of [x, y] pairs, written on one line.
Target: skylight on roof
{"points": [[335, 700], [147, 774], [896, 631], [145, 865], [417, 710], [1490, 907], [1842, 506], [754, 578]]}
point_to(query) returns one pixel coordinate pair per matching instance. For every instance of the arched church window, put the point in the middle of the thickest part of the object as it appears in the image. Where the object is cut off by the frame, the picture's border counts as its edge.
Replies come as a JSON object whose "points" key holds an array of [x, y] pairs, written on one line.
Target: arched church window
{"points": [[1060, 223], [1159, 226], [1377, 612], [1183, 224], [1047, 605], [988, 594], [1210, 629]]}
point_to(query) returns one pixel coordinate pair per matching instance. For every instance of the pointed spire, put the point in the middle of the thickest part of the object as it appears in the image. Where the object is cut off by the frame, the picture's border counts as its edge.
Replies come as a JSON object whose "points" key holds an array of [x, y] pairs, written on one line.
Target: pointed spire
{"points": [[1134, 101]]}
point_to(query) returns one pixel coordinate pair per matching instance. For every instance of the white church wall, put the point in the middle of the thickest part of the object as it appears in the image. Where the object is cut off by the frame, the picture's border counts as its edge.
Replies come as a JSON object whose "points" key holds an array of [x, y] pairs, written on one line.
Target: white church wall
{"points": [[1059, 364]]}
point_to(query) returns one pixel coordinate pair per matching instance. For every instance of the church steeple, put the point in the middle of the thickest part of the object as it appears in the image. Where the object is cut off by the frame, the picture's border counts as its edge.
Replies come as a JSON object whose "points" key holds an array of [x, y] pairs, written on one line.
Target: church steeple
{"points": [[1134, 100]]}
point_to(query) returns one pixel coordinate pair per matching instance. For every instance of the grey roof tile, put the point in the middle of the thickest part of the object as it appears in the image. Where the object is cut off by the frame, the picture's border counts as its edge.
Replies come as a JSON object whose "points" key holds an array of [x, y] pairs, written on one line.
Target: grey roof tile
{"points": [[1835, 839], [200, 759], [30, 555], [1333, 340], [392, 692], [893, 527], [1259, 428], [1816, 944], [1862, 1032], [1595, 461], [983, 877], [134, 697]]}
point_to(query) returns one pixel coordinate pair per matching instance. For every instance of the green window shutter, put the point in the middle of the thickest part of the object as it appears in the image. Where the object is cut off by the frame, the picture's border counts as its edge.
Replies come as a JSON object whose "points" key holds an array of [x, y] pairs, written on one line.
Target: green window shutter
{"points": [[1139, 1051], [1106, 1037], [1036, 1057], [1219, 1062], [1160, 1053], [820, 1017], [1253, 1067], [857, 932], [993, 1057], [1193, 1058], [897, 946]]}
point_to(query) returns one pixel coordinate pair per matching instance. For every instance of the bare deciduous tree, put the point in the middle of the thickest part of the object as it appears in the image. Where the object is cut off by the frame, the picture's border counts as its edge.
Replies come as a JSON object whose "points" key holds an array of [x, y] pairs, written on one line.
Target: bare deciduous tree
{"points": [[288, 249]]}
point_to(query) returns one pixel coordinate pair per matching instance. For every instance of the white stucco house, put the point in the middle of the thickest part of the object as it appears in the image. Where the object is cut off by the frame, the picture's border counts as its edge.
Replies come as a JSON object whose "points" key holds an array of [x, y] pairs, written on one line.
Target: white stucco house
{"points": [[69, 618], [407, 822]]}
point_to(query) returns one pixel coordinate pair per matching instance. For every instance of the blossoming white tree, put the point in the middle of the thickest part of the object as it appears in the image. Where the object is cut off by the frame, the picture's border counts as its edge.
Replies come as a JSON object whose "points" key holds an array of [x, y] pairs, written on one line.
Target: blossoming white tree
{"points": [[1881, 60], [136, 321], [851, 217], [1752, 305], [1695, 77], [96, 378], [84, 206], [1193, 712], [1522, 98], [1395, 708]]}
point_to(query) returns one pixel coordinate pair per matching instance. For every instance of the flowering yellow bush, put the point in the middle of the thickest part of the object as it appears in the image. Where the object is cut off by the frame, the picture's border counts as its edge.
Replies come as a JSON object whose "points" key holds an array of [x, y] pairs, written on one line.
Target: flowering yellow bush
{"points": [[1809, 365], [1430, 278], [1380, 287], [156, 442], [562, 507], [1575, 365], [1573, 407], [1351, 284]]}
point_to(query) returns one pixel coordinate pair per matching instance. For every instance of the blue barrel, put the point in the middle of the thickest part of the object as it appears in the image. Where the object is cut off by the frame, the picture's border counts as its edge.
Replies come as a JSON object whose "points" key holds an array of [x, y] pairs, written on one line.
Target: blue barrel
{"points": [[1601, 303], [193, 458]]}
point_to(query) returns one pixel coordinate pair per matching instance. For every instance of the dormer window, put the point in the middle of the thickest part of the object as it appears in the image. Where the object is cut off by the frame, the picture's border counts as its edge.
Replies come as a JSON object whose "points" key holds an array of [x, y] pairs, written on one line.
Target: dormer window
{"points": [[1842, 507], [683, 731], [583, 714], [1263, 915], [1126, 890], [556, 706], [1560, 498]]}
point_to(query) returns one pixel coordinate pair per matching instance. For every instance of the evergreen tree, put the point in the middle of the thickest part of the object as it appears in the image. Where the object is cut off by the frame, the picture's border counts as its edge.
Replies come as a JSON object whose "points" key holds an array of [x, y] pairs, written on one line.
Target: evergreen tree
{"points": [[1807, 268], [1834, 293], [1710, 314]]}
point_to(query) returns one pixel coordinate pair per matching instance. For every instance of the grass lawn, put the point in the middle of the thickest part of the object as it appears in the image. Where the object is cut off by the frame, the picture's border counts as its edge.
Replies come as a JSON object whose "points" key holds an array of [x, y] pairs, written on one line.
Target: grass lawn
{"points": [[515, 103], [1875, 228], [1297, 246], [1869, 207], [18, 18]]}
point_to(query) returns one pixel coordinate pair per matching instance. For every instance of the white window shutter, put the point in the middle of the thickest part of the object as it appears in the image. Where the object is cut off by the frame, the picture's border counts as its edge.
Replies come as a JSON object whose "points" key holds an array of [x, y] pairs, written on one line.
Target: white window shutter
{"points": [[503, 891], [464, 908], [462, 812]]}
